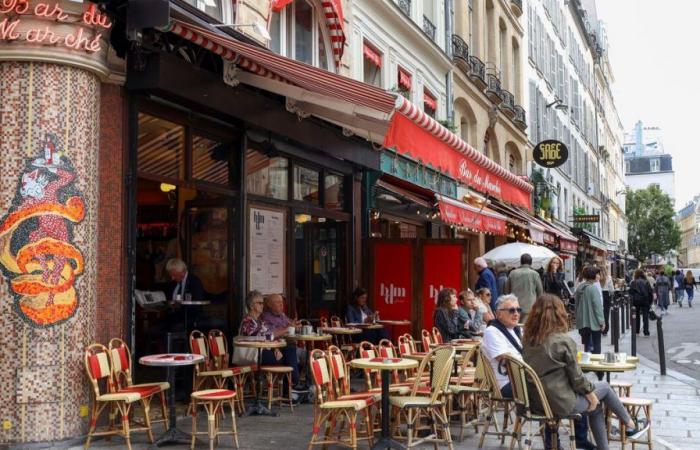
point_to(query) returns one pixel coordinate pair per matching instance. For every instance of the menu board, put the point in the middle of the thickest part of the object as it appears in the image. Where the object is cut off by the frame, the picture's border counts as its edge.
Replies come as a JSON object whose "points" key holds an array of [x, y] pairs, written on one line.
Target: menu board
{"points": [[266, 251]]}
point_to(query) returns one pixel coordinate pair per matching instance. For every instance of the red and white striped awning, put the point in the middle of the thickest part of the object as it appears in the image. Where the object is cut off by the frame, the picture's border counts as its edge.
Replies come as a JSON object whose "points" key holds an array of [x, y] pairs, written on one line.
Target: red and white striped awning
{"points": [[398, 123], [464, 215], [333, 13]]}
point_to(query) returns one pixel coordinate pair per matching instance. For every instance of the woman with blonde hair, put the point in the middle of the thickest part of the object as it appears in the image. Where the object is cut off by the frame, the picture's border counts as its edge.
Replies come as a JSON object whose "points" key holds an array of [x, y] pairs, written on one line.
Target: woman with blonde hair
{"points": [[549, 350]]}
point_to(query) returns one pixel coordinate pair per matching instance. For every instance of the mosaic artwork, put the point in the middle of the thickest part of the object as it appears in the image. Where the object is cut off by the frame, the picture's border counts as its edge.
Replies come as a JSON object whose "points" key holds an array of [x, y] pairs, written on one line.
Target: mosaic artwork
{"points": [[37, 253]]}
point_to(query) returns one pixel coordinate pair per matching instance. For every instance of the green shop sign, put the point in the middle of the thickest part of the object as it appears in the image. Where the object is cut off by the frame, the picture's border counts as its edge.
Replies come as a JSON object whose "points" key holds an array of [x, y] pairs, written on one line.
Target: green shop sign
{"points": [[419, 174]]}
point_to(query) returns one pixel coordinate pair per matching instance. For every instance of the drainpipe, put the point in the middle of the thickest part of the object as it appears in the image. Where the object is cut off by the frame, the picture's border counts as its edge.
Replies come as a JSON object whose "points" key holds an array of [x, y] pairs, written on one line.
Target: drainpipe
{"points": [[449, 21]]}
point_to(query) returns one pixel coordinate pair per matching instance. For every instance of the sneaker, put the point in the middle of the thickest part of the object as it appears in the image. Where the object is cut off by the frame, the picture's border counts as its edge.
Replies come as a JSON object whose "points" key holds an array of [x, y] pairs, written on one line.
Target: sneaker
{"points": [[637, 432]]}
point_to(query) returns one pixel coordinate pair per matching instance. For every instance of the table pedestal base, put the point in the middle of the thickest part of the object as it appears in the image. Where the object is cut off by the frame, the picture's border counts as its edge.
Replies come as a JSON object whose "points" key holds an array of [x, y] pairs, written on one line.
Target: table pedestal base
{"points": [[171, 437], [388, 443], [258, 408]]}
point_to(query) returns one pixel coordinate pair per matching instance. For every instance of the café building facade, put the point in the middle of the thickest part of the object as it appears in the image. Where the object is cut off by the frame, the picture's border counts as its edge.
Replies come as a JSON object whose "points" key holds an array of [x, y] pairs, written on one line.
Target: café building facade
{"points": [[192, 142]]}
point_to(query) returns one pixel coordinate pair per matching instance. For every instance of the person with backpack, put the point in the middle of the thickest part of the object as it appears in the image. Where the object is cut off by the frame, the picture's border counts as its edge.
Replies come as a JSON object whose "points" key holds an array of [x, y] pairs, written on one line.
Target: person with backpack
{"points": [[642, 298]]}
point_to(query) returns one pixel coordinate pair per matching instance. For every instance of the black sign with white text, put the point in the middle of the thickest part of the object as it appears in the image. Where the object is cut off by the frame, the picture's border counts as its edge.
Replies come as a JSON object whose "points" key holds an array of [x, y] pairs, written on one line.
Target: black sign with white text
{"points": [[550, 153]]}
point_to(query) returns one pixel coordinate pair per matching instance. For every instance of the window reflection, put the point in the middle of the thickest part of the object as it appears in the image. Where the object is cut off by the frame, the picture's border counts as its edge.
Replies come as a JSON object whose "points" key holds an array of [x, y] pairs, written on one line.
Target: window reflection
{"points": [[305, 184], [210, 160], [334, 192], [303, 37], [161, 147], [266, 176]]}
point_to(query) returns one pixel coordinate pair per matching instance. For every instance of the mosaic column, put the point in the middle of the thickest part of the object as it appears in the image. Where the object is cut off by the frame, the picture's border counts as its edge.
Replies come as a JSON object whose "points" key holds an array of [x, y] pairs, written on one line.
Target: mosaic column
{"points": [[52, 58]]}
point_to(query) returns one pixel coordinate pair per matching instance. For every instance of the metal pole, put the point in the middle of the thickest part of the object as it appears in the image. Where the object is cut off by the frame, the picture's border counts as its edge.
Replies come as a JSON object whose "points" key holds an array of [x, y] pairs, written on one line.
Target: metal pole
{"points": [[616, 328], [634, 330], [623, 309], [662, 349], [629, 314]]}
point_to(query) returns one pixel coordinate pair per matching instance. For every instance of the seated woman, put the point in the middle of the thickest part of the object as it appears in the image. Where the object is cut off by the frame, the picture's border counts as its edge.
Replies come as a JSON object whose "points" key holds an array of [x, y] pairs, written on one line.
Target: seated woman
{"points": [[549, 350], [359, 312], [445, 317]]}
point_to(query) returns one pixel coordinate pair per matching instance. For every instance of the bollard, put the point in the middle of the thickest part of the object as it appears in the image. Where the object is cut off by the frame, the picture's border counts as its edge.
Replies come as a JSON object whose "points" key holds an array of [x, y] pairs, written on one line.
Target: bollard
{"points": [[662, 349], [615, 328], [633, 316], [629, 315], [623, 327]]}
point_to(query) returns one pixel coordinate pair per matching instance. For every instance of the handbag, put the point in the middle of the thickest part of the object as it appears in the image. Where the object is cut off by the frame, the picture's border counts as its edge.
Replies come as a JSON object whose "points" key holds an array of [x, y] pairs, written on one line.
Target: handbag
{"points": [[244, 356]]}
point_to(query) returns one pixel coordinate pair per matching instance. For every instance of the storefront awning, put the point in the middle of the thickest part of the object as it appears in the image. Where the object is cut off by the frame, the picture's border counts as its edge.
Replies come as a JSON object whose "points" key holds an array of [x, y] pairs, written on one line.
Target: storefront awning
{"points": [[360, 108], [475, 219], [595, 241]]}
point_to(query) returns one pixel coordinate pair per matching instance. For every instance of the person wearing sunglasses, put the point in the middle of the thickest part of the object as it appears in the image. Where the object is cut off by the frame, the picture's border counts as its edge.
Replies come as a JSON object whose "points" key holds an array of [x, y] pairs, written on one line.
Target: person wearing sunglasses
{"points": [[502, 337]]}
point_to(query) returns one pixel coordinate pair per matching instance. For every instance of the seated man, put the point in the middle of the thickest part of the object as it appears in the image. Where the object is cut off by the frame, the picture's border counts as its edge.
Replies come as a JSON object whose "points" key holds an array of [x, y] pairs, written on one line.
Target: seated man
{"points": [[277, 322]]}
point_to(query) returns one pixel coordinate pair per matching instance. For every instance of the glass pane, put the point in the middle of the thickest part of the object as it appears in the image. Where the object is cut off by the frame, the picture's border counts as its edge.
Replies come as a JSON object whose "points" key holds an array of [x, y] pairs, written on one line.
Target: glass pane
{"points": [[266, 176], [209, 247], [213, 8], [322, 53], [275, 33], [305, 184], [303, 37], [335, 192], [161, 147], [210, 160]]}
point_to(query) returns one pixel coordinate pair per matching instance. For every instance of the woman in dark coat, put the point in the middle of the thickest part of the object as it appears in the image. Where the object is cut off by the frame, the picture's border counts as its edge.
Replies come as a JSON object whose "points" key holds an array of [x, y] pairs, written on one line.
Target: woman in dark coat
{"points": [[445, 317], [553, 279], [642, 297]]}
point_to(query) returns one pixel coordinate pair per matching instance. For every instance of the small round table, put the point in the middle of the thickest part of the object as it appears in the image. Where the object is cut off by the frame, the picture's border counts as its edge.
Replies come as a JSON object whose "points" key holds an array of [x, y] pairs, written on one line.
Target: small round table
{"points": [[309, 340], [385, 366], [258, 408], [171, 361], [608, 368], [366, 326]]}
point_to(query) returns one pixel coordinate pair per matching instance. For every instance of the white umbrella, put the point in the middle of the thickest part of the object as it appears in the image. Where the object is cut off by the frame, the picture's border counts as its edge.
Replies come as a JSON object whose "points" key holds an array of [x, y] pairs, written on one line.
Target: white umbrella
{"points": [[510, 254]]}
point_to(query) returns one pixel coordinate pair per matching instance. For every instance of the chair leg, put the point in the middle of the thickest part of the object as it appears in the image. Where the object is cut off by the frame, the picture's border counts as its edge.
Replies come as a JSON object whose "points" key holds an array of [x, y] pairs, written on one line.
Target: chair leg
{"points": [[124, 411], [506, 416], [409, 427], [193, 407], [211, 423], [270, 387], [516, 432], [289, 392], [146, 402], [487, 425], [234, 428], [164, 410]]}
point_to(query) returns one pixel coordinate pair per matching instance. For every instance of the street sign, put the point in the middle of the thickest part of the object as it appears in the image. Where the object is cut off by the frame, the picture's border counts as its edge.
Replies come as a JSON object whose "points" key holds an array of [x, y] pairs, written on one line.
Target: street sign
{"points": [[550, 153], [586, 218]]}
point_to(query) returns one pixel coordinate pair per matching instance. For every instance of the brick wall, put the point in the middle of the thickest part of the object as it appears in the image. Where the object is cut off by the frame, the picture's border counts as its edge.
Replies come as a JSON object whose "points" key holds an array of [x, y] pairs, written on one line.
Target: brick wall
{"points": [[111, 318]]}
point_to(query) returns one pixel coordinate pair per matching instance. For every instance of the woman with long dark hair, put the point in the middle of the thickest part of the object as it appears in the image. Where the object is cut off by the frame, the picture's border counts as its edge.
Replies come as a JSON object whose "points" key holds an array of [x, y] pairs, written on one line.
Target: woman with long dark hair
{"points": [[553, 278], [689, 285], [445, 317]]}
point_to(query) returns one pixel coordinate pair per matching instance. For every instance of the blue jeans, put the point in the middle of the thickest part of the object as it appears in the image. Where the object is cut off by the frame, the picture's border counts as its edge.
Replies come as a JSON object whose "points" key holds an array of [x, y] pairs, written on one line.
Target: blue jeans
{"points": [[679, 295], [690, 293]]}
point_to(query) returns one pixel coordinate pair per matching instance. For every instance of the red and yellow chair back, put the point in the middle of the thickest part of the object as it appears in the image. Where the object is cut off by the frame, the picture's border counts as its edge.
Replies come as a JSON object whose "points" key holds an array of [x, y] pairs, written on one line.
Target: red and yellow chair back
{"points": [[98, 368], [120, 358], [426, 339], [339, 370], [372, 376], [437, 336], [198, 346], [321, 376], [336, 322], [405, 345], [218, 347], [324, 322]]}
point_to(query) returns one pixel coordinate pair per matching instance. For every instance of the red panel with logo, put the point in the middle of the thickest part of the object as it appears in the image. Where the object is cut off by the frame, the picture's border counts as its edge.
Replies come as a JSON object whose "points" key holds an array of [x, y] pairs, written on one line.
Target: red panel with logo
{"points": [[393, 275], [442, 268]]}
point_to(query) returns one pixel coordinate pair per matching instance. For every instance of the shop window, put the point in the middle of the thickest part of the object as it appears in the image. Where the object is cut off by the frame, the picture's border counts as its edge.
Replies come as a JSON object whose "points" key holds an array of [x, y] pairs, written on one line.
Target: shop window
{"points": [[210, 160], [267, 176], [334, 192], [306, 184], [161, 146], [372, 65], [218, 9]]}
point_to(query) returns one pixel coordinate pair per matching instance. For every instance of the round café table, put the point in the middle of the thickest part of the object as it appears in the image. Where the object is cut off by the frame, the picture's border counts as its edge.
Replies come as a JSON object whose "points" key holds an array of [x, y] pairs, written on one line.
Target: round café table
{"points": [[385, 366], [309, 341], [630, 359], [393, 324], [341, 334], [258, 408], [366, 326], [607, 368], [172, 361]]}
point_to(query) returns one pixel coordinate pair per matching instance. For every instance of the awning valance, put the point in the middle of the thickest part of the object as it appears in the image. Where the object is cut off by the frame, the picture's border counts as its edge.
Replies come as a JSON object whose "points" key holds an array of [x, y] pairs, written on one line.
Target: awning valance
{"points": [[405, 79], [462, 214], [429, 101], [371, 54]]}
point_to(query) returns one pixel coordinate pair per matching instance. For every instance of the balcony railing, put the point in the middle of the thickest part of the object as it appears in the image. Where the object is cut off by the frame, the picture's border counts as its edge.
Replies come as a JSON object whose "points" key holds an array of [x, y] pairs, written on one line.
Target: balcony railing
{"points": [[493, 88], [429, 28], [517, 7], [405, 6], [519, 118], [460, 49], [508, 104], [477, 70]]}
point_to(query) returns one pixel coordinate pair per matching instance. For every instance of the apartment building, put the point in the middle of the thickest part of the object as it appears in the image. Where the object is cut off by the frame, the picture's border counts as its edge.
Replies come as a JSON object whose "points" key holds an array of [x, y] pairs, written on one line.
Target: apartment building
{"points": [[646, 160]]}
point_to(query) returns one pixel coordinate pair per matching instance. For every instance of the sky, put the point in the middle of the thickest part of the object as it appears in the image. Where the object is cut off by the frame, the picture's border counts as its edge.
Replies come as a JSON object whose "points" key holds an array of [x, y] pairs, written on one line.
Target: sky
{"points": [[656, 70]]}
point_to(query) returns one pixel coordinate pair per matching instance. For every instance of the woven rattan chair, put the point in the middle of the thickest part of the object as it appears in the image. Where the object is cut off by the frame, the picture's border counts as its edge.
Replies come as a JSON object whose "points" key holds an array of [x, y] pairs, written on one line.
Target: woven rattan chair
{"points": [[496, 402], [221, 360], [466, 389]]}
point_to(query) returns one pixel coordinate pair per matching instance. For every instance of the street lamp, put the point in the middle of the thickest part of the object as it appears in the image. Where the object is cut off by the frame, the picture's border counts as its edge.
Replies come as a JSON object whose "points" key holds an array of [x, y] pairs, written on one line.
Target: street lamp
{"points": [[558, 104]]}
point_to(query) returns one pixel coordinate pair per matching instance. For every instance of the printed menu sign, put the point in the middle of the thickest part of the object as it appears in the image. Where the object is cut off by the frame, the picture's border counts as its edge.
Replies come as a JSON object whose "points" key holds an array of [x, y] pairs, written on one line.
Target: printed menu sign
{"points": [[266, 251]]}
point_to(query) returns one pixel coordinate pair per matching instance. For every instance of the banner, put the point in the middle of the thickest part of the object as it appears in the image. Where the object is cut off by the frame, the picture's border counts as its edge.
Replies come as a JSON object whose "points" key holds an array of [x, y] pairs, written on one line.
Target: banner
{"points": [[393, 275], [442, 268], [463, 217]]}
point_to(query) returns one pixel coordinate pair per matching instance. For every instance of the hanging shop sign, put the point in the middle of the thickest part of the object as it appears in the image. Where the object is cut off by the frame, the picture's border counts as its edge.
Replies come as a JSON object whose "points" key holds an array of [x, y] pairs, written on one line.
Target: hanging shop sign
{"points": [[586, 218], [550, 153]]}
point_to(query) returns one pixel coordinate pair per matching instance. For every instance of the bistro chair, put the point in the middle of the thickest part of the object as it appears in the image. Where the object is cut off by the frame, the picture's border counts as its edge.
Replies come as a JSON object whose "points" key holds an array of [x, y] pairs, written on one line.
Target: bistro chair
{"points": [[372, 376], [387, 350], [324, 322], [341, 379], [426, 338], [120, 359], [99, 373], [636, 407], [205, 374], [431, 404], [335, 416], [495, 402], [437, 336], [221, 360], [525, 383], [275, 376], [213, 401], [466, 389]]}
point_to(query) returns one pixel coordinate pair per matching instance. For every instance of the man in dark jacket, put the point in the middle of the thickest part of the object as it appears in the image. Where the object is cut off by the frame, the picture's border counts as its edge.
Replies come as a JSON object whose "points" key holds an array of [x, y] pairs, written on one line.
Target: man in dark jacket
{"points": [[486, 280], [642, 297]]}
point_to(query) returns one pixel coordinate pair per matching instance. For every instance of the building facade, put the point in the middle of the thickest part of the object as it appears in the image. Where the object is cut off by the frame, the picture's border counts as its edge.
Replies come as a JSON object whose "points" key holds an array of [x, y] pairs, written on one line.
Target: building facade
{"points": [[646, 161], [688, 220]]}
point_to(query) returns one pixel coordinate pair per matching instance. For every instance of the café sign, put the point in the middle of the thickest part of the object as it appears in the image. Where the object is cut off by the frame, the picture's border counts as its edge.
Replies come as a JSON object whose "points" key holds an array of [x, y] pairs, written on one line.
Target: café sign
{"points": [[586, 218], [550, 153]]}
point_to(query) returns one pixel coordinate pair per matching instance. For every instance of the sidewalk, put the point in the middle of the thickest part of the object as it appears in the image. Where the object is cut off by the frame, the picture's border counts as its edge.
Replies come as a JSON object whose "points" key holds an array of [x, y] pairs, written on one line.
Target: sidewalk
{"points": [[676, 417]]}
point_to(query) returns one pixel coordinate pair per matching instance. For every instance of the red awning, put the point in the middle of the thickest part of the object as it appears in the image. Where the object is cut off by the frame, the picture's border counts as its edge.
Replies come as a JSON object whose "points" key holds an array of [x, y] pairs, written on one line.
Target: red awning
{"points": [[462, 214], [372, 55], [405, 79], [429, 101], [414, 133], [333, 13]]}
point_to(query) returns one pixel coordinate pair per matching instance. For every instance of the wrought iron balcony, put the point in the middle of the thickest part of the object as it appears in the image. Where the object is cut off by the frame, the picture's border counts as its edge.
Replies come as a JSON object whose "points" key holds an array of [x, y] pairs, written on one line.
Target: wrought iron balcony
{"points": [[477, 71], [517, 7], [519, 118], [429, 28], [460, 49], [405, 6], [493, 88], [508, 104]]}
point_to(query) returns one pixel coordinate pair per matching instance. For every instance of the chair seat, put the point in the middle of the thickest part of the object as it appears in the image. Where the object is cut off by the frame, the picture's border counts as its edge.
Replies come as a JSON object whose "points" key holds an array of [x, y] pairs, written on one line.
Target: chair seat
{"points": [[161, 385], [412, 402], [128, 397], [357, 405], [276, 369], [636, 401], [461, 388], [214, 394], [216, 373], [239, 370], [361, 396], [394, 389], [619, 383], [143, 390], [466, 381]]}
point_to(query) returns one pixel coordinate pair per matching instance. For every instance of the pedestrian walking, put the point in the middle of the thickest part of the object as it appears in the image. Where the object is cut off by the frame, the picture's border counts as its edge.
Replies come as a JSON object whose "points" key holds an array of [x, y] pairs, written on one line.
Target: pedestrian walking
{"points": [[589, 311], [553, 279], [679, 287], [689, 285], [662, 288], [501, 276], [525, 283], [486, 279], [607, 287], [642, 297]]}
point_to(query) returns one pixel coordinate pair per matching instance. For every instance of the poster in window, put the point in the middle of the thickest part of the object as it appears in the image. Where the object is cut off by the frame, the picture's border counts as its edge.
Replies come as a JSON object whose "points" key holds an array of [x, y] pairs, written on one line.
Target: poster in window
{"points": [[442, 268], [266, 250]]}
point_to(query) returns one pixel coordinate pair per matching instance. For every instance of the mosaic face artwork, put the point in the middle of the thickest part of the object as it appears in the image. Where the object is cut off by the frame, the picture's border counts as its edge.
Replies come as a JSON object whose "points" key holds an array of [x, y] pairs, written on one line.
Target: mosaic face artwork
{"points": [[36, 251]]}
